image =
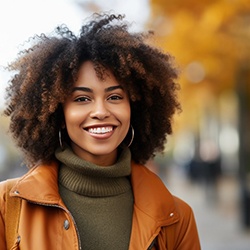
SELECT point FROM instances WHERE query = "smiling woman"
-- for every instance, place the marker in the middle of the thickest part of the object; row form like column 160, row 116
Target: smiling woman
column 87, row 111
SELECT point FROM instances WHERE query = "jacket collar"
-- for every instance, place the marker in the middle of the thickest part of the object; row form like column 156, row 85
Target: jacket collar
column 154, row 207
column 151, row 195
column 39, row 185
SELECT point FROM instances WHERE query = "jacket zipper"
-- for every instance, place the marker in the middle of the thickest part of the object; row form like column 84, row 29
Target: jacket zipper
column 152, row 244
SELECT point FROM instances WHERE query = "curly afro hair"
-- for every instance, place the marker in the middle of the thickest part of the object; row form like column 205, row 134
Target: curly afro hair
column 47, row 70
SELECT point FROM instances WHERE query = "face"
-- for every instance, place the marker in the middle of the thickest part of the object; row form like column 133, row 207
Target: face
column 97, row 116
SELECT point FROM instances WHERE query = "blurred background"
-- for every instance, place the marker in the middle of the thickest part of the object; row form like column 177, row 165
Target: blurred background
column 206, row 161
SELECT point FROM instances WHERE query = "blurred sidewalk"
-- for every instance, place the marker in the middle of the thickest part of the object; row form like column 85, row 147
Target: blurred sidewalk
column 217, row 211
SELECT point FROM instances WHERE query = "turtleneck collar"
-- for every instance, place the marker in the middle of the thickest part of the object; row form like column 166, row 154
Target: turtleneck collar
column 88, row 179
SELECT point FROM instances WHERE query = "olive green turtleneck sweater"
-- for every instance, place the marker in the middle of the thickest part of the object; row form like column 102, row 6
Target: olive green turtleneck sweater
column 99, row 198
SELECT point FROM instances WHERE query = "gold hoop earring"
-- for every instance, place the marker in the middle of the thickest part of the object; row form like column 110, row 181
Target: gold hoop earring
column 133, row 135
column 60, row 138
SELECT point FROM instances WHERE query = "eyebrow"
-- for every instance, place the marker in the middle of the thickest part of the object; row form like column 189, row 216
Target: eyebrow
column 89, row 90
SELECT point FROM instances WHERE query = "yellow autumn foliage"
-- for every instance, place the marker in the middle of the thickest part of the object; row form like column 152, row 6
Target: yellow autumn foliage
column 210, row 41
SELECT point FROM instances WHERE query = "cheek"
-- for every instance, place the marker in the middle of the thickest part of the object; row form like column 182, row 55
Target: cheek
column 125, row 112
column 72, row 115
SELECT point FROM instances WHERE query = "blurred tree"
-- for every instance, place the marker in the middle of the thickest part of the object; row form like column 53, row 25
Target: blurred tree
column 210, row 40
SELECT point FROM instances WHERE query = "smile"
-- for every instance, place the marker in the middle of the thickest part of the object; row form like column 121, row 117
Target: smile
column 100, row 130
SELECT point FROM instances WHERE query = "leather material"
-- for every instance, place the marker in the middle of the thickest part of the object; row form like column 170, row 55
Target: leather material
column 160, row 220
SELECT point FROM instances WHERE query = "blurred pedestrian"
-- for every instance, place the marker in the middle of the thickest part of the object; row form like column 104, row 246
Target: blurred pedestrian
column 87, row 111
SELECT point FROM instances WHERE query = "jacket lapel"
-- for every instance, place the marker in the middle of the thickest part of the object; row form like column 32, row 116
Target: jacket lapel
column 154, row 207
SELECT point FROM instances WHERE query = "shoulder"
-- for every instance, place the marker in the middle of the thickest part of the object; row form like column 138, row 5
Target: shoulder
column 186, row 233
column 7, row 184
column 151, row 195
column 182, row 206
column 5, row 187
column 184, row 210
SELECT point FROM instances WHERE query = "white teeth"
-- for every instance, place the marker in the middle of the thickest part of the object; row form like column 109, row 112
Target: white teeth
column 100, row 130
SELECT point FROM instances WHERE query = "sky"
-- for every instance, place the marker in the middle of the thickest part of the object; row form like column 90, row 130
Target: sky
column 21, row 19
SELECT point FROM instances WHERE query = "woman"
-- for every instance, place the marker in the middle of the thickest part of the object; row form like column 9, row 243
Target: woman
column 87, row 112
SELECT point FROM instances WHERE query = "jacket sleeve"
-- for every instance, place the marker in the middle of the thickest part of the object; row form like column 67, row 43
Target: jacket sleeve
column 186, row 234
column 2, row 215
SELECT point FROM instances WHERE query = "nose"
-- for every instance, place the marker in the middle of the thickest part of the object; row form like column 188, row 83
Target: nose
column 100, row 110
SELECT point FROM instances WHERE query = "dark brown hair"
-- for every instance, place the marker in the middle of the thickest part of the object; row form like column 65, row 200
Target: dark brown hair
column 47, row 70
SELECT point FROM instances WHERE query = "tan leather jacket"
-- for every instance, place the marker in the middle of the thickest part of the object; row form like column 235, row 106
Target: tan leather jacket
column 160, row 220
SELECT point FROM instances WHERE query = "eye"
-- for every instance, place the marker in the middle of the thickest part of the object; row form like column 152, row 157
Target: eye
column 115, row 97
column 82, row 99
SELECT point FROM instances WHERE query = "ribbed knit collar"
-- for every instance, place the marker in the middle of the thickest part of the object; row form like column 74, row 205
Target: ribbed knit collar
column 88, row 179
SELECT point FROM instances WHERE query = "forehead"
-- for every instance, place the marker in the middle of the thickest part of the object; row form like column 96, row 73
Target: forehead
column 88, row 75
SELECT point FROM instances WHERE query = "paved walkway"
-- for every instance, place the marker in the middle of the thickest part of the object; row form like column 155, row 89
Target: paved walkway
column 217, row 211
